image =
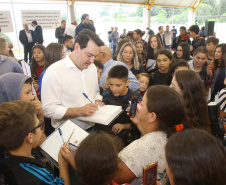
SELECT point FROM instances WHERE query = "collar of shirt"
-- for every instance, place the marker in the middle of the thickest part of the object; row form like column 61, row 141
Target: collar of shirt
column 70, row 64
column 108, row 63
column 2, row 58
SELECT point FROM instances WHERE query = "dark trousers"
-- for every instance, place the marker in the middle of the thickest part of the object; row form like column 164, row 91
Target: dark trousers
column 28, row 50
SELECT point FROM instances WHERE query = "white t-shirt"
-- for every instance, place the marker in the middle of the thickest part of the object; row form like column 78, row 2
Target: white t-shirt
column 148, row 149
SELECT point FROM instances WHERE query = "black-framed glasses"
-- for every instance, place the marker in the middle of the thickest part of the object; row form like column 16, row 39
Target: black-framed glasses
column 42, row 123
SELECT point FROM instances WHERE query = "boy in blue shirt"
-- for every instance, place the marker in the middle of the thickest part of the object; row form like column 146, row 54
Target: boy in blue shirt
column 119, row 94
column 21, row 132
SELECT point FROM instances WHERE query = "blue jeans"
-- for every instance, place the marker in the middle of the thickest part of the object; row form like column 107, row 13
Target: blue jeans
column 114, row 48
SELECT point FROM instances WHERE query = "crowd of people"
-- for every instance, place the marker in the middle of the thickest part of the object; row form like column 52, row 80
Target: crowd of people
column 173, row 77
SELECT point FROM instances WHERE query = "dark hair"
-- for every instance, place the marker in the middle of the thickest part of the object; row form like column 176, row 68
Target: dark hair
column 196, row 114
column 121, row 42
column 164, row 52
column 214, row 40
column 85, row 36
column 84, row 16
column 143, row 52
column 34, row 22
column 28, row 81
column 33, row 61
column 186, row 51
column 66, row 38
column 63, row 21
column 97, row 158
column 183, row 28
column 139, row 32
column 17, row 119
column 53, row 53
column 195, row 157
column 194, row 28
column 98, row 64
column 223, row 60
column 175, row 64
column 201, row 49
column 150, row 50
column 119, row 72
column 203, row 28
column 168, row 107
column 160, row 27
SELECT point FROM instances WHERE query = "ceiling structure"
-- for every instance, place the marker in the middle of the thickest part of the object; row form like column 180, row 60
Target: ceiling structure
column 193, row 4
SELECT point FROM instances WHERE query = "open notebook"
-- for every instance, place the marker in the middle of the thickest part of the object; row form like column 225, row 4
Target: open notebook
column 104, row 115
column 51, row 146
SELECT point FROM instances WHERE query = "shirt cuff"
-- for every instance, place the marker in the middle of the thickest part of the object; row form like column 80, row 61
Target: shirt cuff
column 60, row 112
column 99, row 97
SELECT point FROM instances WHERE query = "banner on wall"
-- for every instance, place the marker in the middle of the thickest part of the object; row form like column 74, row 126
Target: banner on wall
column 47, row 19
column 6, row 22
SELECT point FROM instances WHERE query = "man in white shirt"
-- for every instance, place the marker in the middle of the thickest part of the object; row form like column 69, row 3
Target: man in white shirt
column 168, row 37
column 68, row 44
column 26, row 38
column 65, row 82
column 70, row 30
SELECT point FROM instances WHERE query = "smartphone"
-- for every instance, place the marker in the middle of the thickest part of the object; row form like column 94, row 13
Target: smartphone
column 150, row 174
column 133, row 106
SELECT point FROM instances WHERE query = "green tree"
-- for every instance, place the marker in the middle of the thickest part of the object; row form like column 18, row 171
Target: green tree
column 139, row 12
column 161, row 17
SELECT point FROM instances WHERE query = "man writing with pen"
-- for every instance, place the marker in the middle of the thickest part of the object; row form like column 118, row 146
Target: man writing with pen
column 66, row 81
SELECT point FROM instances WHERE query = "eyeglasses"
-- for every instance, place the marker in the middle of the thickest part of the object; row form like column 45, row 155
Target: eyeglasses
column 42, row 123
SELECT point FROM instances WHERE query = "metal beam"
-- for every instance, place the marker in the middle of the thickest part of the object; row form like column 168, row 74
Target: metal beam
column 195, row 9
column 148, row 6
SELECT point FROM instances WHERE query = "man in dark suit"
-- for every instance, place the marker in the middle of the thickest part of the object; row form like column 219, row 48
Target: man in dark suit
column 161, row 36
column 26, row 37
column 38, row 37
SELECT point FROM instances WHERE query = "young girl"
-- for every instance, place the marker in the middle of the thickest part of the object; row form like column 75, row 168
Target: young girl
column 128, row 55
column 218, row 65
column 200, row 56
column 141, row 53
column 144, row 80
column 189, row 85
column 164, row 58
column 53, row 53
column 183, row 52
column 154, row 45
column 177, row 65
column 38, row 60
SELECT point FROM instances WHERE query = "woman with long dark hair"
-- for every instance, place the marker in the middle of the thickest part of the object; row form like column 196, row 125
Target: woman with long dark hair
column 53, row 53
column 183, row 52
column 160, row 112
column 189, row 85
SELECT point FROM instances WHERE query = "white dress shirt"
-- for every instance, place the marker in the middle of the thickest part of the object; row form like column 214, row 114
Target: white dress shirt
column 62, row 88
column 70, row 30
column 29, row 36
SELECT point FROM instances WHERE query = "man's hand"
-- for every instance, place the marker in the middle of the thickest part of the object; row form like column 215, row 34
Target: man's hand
column 99, row 103
column 191, row 48
column 89, row 109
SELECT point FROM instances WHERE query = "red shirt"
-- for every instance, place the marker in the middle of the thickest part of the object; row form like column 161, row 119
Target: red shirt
column 39, row 70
